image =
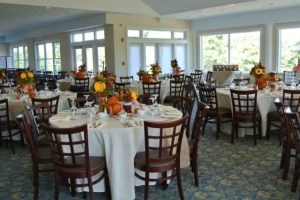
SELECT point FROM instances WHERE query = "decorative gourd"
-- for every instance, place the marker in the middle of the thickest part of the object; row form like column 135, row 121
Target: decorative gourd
column 80, row 74
column 148, row 78
column 114, row 105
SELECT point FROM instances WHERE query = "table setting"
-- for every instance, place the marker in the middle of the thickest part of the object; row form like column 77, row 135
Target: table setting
column 118, row 138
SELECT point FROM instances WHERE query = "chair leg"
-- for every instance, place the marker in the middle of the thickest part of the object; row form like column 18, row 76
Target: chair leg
column 194, row 165
column 73, row 192
column 164, row 183
column 36, row 181
column 146, row 189
column 232, row 132
column 11, row 142
column 57, row 182
column 178, row 174
column 286, row 165
column 218, row 128
column 283, row 154
column 296, row 176
column 91, row 191
column 107, row 185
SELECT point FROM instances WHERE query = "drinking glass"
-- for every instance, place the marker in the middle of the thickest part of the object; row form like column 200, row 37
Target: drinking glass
column 73, row 107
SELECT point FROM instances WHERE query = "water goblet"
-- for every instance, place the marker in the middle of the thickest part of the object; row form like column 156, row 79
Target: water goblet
column 293, row 84
column 73, row 107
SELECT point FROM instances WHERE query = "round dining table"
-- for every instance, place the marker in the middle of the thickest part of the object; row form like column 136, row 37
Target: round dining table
column 118, row 140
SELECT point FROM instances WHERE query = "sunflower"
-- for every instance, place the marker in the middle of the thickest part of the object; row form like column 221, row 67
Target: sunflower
column 277, row 77
column 259, row 71
column 99, row 86
column 30, row 74
column 23, row 75
column 134, row 95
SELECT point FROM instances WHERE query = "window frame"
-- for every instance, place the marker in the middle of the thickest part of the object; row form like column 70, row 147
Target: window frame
column 54, row 58
column 200, row 33
column 276, row 40
column 24, row 59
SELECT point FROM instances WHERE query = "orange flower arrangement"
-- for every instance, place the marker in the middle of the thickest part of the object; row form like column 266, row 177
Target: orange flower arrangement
column 155, row 69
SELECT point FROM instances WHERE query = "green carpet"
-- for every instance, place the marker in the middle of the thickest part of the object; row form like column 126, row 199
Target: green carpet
column 239, row 171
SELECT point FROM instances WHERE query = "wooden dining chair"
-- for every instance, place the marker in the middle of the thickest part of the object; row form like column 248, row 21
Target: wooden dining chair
column 176, row 91
column 274, row 119
column 152, row 88
column 209, row 76
column 288, row 76
column 70, row 150
column 37, row 114
column 292, row 123
column 244, row 112
column 196, row 77
column 40, row 155
column 215, row 114
column 121, row 86
column 162, row 153
column 83, row 83
column 80, row 101
column 198, row 71
column 7, row 125
column 52, row 102
column 126, row 79
column 198, row 128
column 178, row 77
column 185, row 105
column 237, row 81
column 188, row 86
column 62, row 74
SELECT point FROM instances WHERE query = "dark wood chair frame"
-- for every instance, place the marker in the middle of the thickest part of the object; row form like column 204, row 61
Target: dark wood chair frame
column 126, row 79
column 150, row 88
column 244, row 109
column 215, row 114
column 6, row 124
column 76, row 164
column 52, row 102
column 292, row 122
column 83, row 82
column 41, row 156
column 161, row 158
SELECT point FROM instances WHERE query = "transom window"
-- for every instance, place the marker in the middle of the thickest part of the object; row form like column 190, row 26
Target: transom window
column 87, row 35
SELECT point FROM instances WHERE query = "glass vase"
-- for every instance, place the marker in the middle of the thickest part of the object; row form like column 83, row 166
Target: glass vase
column 102, row 103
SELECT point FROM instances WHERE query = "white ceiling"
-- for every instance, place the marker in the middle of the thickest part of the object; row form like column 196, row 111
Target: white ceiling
column 17, row 16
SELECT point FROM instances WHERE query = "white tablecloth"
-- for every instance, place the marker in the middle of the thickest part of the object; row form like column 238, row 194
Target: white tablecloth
column 224, row 78
column 16, row 105
column 265, row 104
column 119, row 145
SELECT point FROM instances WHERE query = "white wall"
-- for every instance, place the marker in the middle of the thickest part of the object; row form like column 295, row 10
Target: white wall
column 266, row 18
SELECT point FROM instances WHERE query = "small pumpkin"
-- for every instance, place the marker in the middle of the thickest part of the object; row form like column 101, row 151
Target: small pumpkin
column 114, row 105
column 147, row 78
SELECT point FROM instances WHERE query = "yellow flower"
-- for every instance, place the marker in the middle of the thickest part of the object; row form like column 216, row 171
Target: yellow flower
column 258, row 71
column 134, row 95
column 157, row 69
column 23, row 75
column 99, row 86
column 30, row 74
column 276, row 77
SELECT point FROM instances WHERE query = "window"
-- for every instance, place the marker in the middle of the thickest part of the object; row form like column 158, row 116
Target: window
column 146, row 47
column 20, row 57
column 233, row 47
column 49, row 57
column 87, row 35
column 289, row 48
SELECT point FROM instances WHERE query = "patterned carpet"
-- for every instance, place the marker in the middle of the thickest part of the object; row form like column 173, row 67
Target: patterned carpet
column 239, row 171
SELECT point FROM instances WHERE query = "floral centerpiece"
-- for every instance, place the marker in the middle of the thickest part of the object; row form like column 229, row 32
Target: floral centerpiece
column 81, row 71
column 141, row 73
column 127, row 96
column 262, row 76
column 176, row 68
column 103, row 87
column 25, row 80
column 156, row 70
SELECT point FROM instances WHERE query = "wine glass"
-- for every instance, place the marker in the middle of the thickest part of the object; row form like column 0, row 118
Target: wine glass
column 293, row 84
column 58, row 87
column 73, row 107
